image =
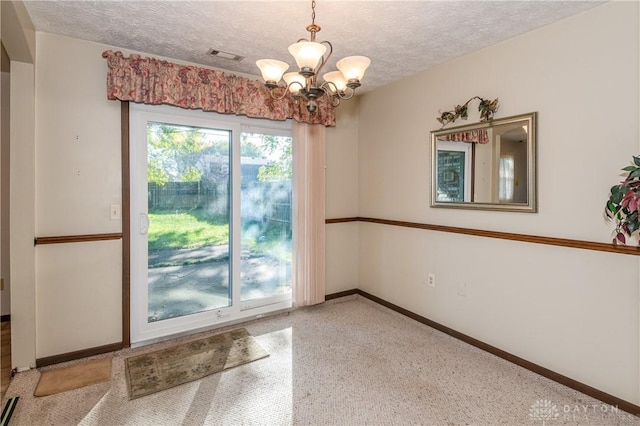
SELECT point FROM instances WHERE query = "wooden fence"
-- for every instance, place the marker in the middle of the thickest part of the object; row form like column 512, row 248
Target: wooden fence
column 262, row 201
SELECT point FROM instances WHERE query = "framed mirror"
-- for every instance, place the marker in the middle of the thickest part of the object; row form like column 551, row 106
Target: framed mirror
column 489, row 165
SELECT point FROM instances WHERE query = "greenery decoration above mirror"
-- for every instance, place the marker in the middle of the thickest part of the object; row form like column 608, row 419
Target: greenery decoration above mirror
column 487, row 110
column 488, row 165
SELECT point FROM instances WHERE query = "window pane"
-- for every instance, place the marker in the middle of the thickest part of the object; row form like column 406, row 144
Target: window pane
column 506, row 182
column 188, row 205
column 266, row 171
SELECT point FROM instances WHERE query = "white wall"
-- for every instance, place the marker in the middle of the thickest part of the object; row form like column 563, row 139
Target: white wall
column 79, row 285
column 22, row 214
column 5, row 294
column 573, row 311
column 18, row 37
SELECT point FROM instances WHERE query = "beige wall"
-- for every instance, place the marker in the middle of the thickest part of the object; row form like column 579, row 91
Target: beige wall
column 342, row 200
column 573, row 311
column 79, row 285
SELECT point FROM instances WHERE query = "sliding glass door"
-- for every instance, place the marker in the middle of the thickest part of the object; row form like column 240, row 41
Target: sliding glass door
column 266, row 207
column 188, row 220
column 211, row 218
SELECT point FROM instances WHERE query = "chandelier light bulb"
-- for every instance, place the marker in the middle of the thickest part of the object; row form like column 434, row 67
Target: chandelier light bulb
column 297, row 80
column 272, row 70
column 337, row 79
column 353, row 67
column 307, row 55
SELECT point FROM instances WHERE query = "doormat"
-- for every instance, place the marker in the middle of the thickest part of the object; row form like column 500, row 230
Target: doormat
column 73, row 377
column 166, row 368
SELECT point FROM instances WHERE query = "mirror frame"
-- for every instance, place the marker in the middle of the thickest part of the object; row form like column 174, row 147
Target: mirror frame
column 531, row 206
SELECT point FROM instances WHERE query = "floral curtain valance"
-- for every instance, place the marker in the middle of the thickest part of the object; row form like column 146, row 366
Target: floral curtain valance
column 474, row 136
column 153, row 81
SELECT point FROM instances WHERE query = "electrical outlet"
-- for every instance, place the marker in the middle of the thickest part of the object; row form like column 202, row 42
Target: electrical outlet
column 431, row 280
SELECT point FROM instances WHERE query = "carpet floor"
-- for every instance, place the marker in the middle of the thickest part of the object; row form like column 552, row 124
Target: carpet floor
column 73, row 377
column 346, row 362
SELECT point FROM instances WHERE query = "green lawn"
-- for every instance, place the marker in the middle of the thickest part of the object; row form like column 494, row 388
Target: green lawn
column 188, row 229
column 193, row 229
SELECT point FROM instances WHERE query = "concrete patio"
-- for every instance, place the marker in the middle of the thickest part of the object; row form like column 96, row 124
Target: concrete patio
column 187, row 281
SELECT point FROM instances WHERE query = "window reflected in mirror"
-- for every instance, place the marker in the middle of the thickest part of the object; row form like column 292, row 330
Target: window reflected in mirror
column 488, row 165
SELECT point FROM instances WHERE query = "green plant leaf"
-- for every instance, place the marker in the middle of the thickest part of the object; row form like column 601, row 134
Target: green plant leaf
column 629, row 168
column 611, row 207
column 634, row 174
column 617, row 193
column 636, row 160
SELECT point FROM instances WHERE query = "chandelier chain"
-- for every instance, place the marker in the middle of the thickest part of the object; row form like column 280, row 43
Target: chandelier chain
column 313, row 12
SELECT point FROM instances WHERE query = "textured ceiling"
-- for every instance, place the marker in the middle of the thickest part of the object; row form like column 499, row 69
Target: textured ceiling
column 401, row 37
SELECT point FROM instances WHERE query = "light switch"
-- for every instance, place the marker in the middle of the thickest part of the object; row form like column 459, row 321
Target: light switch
column 115, row 212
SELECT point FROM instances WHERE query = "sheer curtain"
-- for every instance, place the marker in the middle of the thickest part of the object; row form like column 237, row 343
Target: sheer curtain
column 309, row 188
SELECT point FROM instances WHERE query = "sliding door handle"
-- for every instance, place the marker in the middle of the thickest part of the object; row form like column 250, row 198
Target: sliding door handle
column 144, row 223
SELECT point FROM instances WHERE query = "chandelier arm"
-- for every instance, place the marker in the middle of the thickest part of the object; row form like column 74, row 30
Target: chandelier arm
column 325, row 59
column 287, row 90
column 331, row 88
column 284, row 93
column 295, row 95
column 347, row 94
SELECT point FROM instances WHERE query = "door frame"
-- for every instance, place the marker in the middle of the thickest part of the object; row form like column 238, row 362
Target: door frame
column 238, row 311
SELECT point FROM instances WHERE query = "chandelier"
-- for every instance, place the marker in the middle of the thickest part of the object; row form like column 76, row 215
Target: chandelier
column 311, row 57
